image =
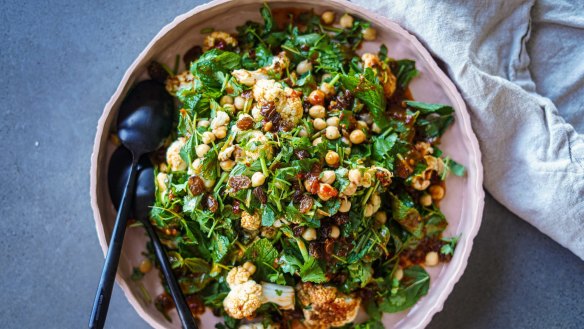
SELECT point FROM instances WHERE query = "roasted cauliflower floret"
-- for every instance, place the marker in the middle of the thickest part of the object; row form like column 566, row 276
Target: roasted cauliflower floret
column 325, row 307
column 249, row 78
column 173, row 158
column 387, row 79
column 250, row 222
column 243, row 300
column 213, row 39
column 257, row 143
column 286, row 100
column 246, row 296
column 179, row 81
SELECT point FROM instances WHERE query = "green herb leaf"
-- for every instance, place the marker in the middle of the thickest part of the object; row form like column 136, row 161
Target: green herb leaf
column 413, row 286
column 369, row 92
column 405, row 71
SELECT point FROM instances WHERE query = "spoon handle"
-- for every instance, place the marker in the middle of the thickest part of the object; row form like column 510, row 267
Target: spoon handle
column 108, row 274
column 184, row 312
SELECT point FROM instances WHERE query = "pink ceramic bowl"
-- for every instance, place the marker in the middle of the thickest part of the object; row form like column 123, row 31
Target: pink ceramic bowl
column 462, row 206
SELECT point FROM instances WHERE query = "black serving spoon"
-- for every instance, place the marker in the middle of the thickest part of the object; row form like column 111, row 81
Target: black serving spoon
column 144, row 197
column 144, row 120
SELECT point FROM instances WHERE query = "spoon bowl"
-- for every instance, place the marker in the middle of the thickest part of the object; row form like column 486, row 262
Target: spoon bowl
column 144, row 121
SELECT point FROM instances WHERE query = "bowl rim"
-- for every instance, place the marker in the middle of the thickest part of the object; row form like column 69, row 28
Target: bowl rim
column 477, row 187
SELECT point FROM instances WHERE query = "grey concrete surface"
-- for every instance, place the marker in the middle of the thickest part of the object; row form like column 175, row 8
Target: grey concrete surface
column 60, row 62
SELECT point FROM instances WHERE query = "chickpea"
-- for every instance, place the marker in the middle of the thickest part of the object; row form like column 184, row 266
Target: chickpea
column 369, row 34
column 202, row 149
column 362, row 125
column 220, row 132
column 229, row 108
column 345, row 205
column 303, row 132
column 399, row 274
column 208, row 137
column 317, row 141
column 258, row 179
column 250, row 267
column 145, row 266
column 203, row 123
column 328, row 17
column 346, row 141
column 327, row 88
column 419, row 183
column 426, row 200
column 355, row 176
column 316, row 97
column 368, row 210
column 209, row 183
column 227, row 165
column 375, row 199
column 268, row 126
column 437, row 192
column 256, row 113
column 161, row 180
column 335, row 232
column 431, row 258
column 332, row 132
column 307, row 185
column 303, row 67
column 328, row 176
column 332, row 158
column 197, row 166
column 239, row 103
column 309, row 234
column 326, row 191
column 366, row 181
column 350, row 189
column 357, row 136
column 346, row 21
column 319, row 124
column 375, row 128
column 333, row 121
column 381, row 217
column 226, row 99
column 317, row 111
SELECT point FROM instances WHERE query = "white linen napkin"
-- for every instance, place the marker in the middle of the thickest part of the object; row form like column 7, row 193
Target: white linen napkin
column 533, row 158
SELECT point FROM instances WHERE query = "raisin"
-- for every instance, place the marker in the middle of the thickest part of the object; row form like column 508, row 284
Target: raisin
column 236, row 207
column 164, row 302
column 157, row 72
column 329, row 246
column 237, row 183
column 298, row 230
column 220, row 44
column 192, row 55
column 341, row 218
column 260, row 194
column 315, row 249
column 302, row 154
column 196, row 305
column 325, row 231
column 196, row 185
column 246, row 94
column 212, row 204
column 245, row 123
column 306, row 203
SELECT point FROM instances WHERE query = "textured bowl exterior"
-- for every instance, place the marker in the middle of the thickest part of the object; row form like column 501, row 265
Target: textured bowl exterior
column 463, row 205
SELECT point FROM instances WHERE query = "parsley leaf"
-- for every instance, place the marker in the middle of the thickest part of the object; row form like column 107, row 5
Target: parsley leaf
column 370, row 92
column 412, row 287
